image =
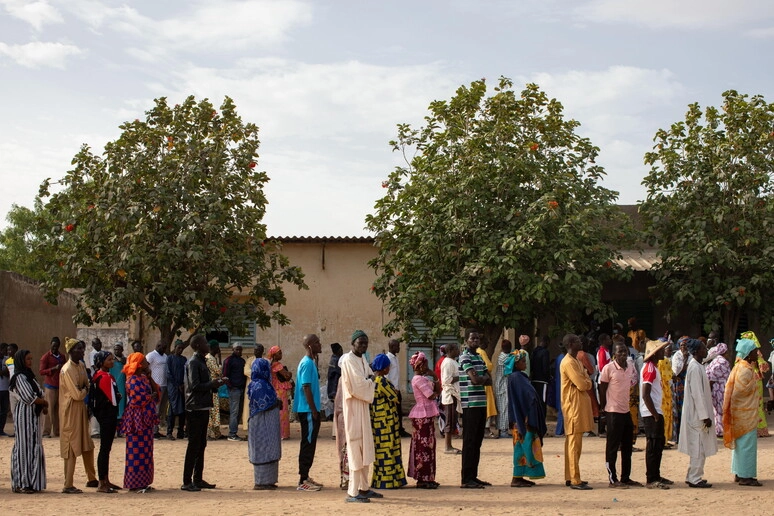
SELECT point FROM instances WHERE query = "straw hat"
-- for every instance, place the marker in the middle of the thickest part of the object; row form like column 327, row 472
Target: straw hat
column 652, row 347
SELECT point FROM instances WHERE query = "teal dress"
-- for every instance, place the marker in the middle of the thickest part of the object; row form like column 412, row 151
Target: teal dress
column 120, row 383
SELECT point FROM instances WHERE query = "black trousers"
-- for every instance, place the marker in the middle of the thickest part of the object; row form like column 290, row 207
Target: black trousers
column 473, row 426
column 619, row 434
column 171, row 423
column 654, row 447
column 308, row 444
column 193, row 467
column 107, row 432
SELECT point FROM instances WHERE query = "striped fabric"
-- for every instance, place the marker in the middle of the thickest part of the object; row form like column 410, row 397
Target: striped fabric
column 28, row 464
column 471, row 395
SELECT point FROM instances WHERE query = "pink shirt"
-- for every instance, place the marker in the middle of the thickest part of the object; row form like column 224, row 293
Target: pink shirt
column 619, row 383
column 423, row 389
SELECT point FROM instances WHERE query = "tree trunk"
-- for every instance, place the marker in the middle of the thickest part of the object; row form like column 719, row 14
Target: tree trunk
column 167, row 335
column 730, row 325
column 490, row 337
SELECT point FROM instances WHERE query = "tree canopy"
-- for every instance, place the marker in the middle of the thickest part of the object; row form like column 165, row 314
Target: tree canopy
column 18, row 241
column 497, row 217
column 710, row 212
column 168, row 222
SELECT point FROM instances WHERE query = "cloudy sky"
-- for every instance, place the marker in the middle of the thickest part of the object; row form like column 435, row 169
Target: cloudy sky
column 328, row 80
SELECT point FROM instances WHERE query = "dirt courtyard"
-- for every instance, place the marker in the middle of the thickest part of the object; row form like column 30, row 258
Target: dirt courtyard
column 226, row 464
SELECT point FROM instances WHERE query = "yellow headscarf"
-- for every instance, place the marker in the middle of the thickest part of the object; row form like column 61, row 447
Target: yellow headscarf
column 133, row 361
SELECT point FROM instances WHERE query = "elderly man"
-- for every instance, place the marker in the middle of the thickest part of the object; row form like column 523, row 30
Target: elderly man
column 74, row 439
column 615, row 383
column 357, row 387
column 576, row 408
column 697, row 432
column 50, row 367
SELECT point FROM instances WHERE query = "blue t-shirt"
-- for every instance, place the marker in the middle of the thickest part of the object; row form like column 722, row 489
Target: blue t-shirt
column 306, row 375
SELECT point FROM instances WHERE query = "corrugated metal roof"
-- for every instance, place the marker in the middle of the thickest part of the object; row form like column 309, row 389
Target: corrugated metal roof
column 638, row 260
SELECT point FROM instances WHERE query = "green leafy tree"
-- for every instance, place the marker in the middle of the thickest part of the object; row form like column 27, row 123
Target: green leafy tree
column 18, row 241
column 496, row 218
column 168, row 222
column 710, row 212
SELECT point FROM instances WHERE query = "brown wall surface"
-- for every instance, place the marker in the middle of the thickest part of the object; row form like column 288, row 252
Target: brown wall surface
column 27, row 319
column 337, row 303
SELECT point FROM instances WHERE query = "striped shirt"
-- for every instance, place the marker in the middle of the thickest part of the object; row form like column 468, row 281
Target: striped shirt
column 472, row 396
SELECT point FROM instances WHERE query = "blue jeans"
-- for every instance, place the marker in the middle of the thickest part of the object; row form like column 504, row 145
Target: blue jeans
column 234, row 405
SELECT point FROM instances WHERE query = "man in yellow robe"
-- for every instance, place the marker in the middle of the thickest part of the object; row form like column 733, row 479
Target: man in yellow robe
column 74, row 438
column 576, row 408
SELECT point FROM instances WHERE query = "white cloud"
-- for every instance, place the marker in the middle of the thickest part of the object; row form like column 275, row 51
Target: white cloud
column 38, row 54
column 691, row 14
column 764, row 33
column 204, row 26
column 36, row 13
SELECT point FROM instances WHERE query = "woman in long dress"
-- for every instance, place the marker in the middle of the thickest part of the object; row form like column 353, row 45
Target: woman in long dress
column 28, row 463
column 718, row 371
column 740, row 415
column 422, row 415
column 388, row 465
column 264, row 445
column 138, row 423
column 280, row 380
column 528, row 423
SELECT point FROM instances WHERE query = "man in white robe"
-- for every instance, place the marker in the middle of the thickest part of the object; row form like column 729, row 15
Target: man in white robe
column 697, row 432
column 357, row 387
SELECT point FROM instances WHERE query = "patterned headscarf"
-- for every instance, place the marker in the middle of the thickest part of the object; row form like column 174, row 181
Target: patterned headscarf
column 69, row 344
column 356, row 335
column 273, row 352
column 750, row 335
column 381, row 362
column 693, row 345
column 716, row 351
column 100, row 358
column 510, row 362
column 133, row 361
column 261, row 394
column 416, row 359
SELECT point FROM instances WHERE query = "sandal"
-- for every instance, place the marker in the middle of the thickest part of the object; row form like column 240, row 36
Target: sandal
column 426, row 485
column 453, row 451
column 750, row 482
column 71, row 490
column 106, row 489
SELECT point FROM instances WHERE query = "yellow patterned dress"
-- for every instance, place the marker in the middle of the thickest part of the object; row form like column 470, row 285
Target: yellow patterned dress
column 388, row 466
column 213, row 428
column 665, row 368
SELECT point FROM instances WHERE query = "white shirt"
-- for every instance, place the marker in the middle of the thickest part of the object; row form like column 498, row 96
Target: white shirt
column 449, row 390
column 158, row 367
column 394, row 375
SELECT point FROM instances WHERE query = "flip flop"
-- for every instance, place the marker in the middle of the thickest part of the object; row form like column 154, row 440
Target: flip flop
column 453, row 451
column 71, row 490
column 750, row 482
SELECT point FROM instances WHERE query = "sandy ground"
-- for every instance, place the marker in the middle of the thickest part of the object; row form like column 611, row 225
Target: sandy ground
column 227, row 465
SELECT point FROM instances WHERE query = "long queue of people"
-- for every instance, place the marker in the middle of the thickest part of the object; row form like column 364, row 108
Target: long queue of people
column 124, row 397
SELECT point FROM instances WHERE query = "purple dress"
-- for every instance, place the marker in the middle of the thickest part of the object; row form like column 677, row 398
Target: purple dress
column 718, row 371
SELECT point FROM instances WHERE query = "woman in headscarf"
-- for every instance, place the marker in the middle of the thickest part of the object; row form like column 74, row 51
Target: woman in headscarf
column 28, row 463
column 665, row 368
column 528, row 423
column 385, row 422
column 740, row 414
column 280, row 380
column 761, row 368
column 718, row 371
column 138, row 423
column 264, row 447
column 426, row 388
column 119, row 361
column 105, row 409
